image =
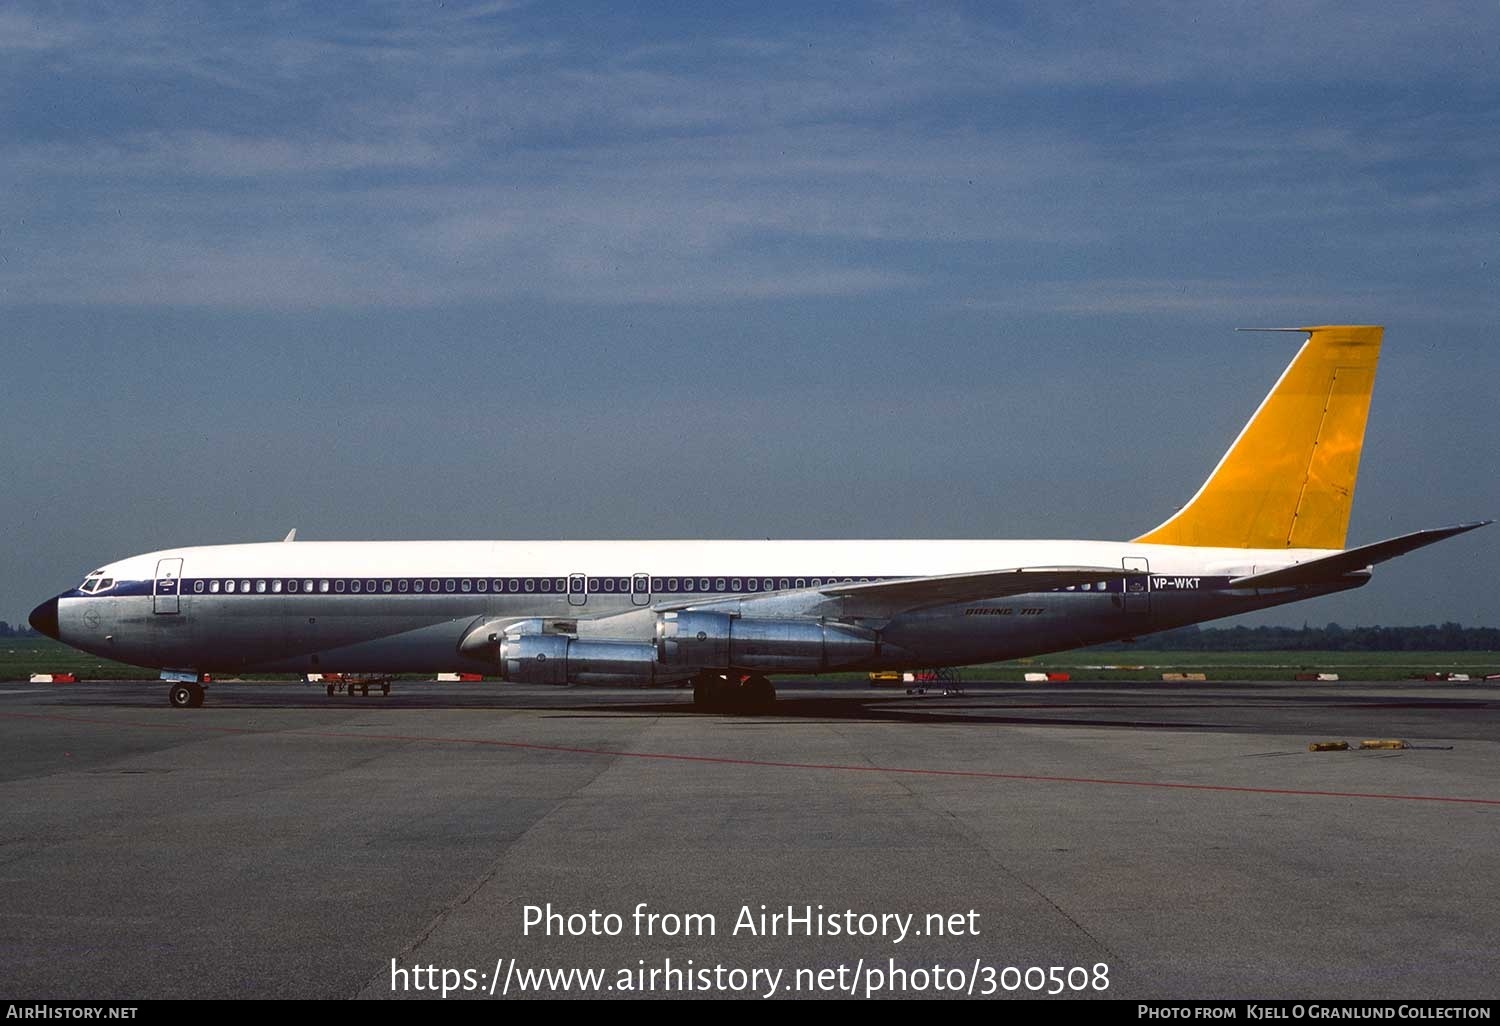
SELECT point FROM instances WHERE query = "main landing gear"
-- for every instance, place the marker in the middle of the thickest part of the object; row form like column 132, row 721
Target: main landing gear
column 186, row 696
column 733, row 693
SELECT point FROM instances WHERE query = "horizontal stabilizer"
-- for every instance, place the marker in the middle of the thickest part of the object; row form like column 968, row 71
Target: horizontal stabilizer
column 1330, row 568
column 917, row 592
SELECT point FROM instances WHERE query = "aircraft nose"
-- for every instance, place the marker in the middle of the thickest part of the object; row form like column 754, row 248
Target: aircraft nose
column 43, row 619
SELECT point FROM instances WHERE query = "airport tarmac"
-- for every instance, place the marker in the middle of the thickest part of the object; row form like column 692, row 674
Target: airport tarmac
column 282, row 843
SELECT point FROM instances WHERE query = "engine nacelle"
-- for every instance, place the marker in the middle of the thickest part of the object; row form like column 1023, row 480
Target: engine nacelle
column 559, row 659
column 719, row 641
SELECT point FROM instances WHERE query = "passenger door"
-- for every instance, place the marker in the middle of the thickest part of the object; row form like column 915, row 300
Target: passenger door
column 168, row 585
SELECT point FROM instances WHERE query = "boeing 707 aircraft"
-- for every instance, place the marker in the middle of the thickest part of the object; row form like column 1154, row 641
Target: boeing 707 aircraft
column 1266, row 528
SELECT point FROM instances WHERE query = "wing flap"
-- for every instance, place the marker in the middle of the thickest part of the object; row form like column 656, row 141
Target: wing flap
column 1329, row 568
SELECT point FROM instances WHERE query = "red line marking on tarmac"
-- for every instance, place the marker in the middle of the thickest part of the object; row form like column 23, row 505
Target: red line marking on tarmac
column 763, row 763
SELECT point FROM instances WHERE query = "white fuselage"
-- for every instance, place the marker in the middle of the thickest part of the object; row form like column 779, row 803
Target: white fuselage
column 410, row 606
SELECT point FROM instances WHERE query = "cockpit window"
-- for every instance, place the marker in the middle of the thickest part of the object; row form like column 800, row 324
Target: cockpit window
column 94, row 582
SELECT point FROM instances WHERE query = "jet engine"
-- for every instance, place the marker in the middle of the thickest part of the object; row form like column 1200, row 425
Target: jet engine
column 559, row 659
column 718, row 641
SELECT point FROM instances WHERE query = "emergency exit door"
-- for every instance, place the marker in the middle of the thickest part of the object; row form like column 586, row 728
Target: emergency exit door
column 1137, row 589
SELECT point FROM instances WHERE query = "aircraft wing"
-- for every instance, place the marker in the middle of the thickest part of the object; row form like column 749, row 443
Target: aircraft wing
column 1328, row 568
column 886, row 598
column 918, row 592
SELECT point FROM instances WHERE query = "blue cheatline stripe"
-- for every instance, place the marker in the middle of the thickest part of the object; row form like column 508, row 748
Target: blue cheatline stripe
column 697, row 585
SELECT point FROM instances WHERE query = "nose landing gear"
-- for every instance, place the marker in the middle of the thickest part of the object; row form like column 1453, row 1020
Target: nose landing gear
column 185, row 696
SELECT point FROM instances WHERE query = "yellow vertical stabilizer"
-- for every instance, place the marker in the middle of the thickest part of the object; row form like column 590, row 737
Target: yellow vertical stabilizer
column 1288, row 479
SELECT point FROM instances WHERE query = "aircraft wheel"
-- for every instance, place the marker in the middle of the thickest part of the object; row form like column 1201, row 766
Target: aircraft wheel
column 757, row 695
column 198, row 692
column 712, row 692
column 181, row 696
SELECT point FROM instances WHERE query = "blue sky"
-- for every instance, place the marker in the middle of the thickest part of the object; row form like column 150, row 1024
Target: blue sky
column 893, row 270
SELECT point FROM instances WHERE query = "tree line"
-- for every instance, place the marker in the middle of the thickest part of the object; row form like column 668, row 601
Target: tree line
column 1447, row 637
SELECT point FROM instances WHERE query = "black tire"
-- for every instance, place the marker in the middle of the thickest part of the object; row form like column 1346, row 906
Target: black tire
column 757, row 695
column 181, row 696
column 713, row 693
column 198, row 693
column 330, row 690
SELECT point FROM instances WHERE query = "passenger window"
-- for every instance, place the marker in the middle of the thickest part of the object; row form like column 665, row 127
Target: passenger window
column 531, row 584
column 307, row 586
column 385, row 586
column 482, row 584
column 339, row 585
column 561, row 585
column 213, row 587
column 802, row 584
column 687, row 584
column 323, row 586
column 370, row 587
column 703, row 584
column 547, row 584
column 228, row 587
column 244, row 586
column 754, row 584
column 402, row 585
column 419, row 585
column 785, row 584
column 465, row 585
column 671, row 584
column 448, row 584
column 354, row 586
column 736, row 585
column 198, row 587
column 276, row 586
column 609, row 584
column 656, row 584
